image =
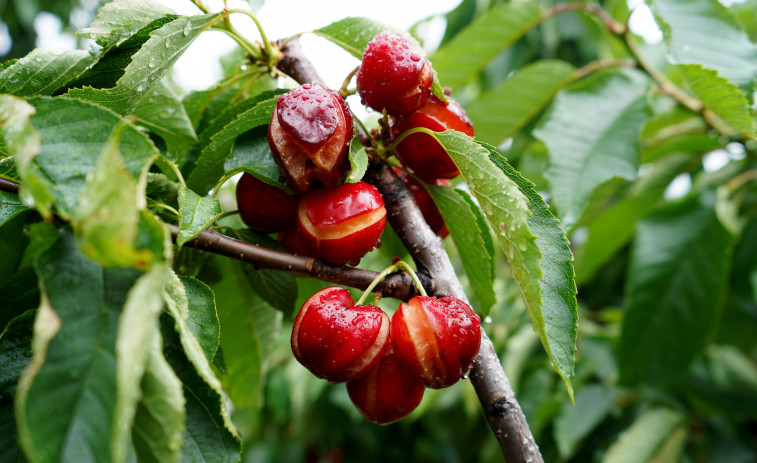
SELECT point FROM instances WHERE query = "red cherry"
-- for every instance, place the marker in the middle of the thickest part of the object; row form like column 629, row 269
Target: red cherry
column 436, row 339
column 343, row 223
column 393, row 75
column 293, row 243
column 426, row 204
column 387, row 393
column 337, row 340
column 263, row 207
column 421, row 152
column 309, row 136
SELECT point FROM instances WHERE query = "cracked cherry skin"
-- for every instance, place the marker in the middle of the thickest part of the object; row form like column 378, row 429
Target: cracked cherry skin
column 393, row 75
column 337, row 340
column 387, row 393
column 343, row 223
column 426, row 204
column 436, row 339
column 309, row 136
column 421, row 152
column 263, row 207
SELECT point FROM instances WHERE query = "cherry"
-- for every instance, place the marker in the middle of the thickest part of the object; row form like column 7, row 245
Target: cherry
column 309, row 136
column 387, row 393
column 291, row 240
column 436, row 339
column 421, row 152
column 263, row 207
column 337, row 340
column 343, row 223
column 426, row 204
column 393, row 75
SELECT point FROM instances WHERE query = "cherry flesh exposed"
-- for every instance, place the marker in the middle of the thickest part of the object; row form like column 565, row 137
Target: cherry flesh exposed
column 343, row 223
column 436, row 339
column 426, row 204
column 337, row 340
column 387, row 393
column 263, row 207
column 393, row 75
column 309, row 136
column 421, row 152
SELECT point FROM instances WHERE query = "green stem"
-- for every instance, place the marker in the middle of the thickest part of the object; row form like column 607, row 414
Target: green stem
column 610, row 23
column 393, row 146
column 177, row 172
column 220, row 184
column 400, row 265
column 201, row 6
column 238, row 38
column 226, row 214
column 166, row 207
column 270, row 54
column 343, row 89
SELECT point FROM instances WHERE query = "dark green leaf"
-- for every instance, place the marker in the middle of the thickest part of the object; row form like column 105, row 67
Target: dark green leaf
column 10, row 207
column 470, row 232
column 15, row 354
column 42, row 72
column 74, row 363
column 163, row 113
column 195, row 214
column 12, row 244
column 353, row 34
column 203, row 318
column 210, row 165
column 210, row 437
column 676, row 282
column 18, row 294
column 150, row 64
column 248, row 328
column 252, row 154
column 592, row 134
column 704, row 32
column 8, row 168
column 468, row 53
column 505, row 109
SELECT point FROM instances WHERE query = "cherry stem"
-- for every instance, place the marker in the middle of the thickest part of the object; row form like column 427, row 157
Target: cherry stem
column 400, row 265
column 343, row 89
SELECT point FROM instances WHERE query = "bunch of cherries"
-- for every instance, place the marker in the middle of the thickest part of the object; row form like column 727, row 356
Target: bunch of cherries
column 429, row 342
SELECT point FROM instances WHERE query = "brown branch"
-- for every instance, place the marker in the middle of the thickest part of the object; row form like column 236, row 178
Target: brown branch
column 494, row 391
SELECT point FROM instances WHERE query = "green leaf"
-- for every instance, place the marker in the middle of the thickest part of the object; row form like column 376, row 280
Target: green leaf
column 704, row 32
column 468, row 53
column 535, row 246
column 502, row 111
column 649, row 438
column 676, row 282
column 163, row 113
column 74, row 134
column 469, row 230
column 159, row 422
column 210, row 165
column 137, row 330
column 13, row 240
column 557, row 318
column 358, row 161
column 10, row 207
column 42, row 72
column 74, row 362
column 18, row 294
column 248, row 329
column 8, row 168
column 592, row 135
column 354, row 33
column 721, row 97
column 252, row 154
column 22, row 141
column 150, row 64
column 210, row 437
column 15, row 353
column 203, row 317
column 575, row 422
column 107, row 218
column 195, row 214
column 117, row 21
column 615, row 226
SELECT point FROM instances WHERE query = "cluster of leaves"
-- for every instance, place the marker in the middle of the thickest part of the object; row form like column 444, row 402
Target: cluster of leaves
column 117, row 344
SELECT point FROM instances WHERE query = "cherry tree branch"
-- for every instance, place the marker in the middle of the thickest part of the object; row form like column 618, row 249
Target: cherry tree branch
column 492, row 386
